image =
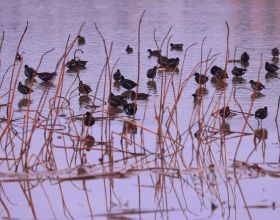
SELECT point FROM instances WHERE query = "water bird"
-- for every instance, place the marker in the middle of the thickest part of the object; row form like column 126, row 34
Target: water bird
column 244, row 57
column 127, row 83
column 225, row 112
column 29, row 72
column 154, row 53
column 176, row 46
column 151, row 73
column 140, row 96
column 270, row 67
column 117, row 75
column 261, row 113
column 275, row 52
column 84, row 88
column 201, row 79
column 88, row 119
column 116, row 100
column 256, row 86
column 173, row 62
column 237, row 72
column 23, row 89
column 162, row 60
column 214, row 69
column 81, row 40
column 46, row 76
column 129, row 49
column 130, row 108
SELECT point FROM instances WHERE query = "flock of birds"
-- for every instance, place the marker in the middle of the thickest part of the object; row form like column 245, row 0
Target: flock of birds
column 164, row 63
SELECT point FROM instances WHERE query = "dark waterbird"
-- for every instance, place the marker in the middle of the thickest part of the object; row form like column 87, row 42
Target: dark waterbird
column 29, row 72
column 46, row 76
column 154, row 53
column 151, row 73
column 270, row 67
column 244, row 57
column 237, row 72
column 23, row 89
column 117, row 75
column 275, row 52
column 225, row 112
column 140, row 96
column 116, row 100
column 130, row 108
column 261, row 113
column 215, row 69
column 200, row 79
column 176, row 46
column 127, row 83
column 76, row 64
column 84, row 88
column 81, row 40
column 129, row 49
column 256, row 86
column 88, row 119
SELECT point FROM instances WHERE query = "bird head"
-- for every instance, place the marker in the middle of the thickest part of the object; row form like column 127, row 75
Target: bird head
column 196, row 74
column 251, row 81
column 25, row 66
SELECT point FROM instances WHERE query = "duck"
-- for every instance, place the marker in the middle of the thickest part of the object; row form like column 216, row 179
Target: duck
column 140, row 96
column 23, row 89
column 151, row 73
column 29, row 72
column 88, row 119
column 117, row 75
column 46, row 76
column 237, row 72
column 270, row 67
column 116, row 100
column 256, row 86
column 225, row 112
column 130, row 108
column 81, row 40
column 129, row 49
column 154, row 53
column 127, row 83
column 84, row 88
column 201, row 79
column 176, row 46
column 244, row 57
column 275, row 52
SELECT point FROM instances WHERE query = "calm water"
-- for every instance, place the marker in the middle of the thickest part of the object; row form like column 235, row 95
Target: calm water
column 148, row 191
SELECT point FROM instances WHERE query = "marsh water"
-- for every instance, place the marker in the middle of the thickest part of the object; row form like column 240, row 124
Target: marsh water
column 133, row 171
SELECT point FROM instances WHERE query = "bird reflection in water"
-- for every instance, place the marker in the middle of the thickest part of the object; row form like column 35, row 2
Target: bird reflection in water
column 219, row 84
column 129, row 127
column 89, row 142
column 84, row 100
column 271, row 75
column 152, row 85
column 117, row 85
column 238, row 81
column 257, row 95
column 30, row 81
column 260, row 136
column 24, row 103
column 44, row 85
